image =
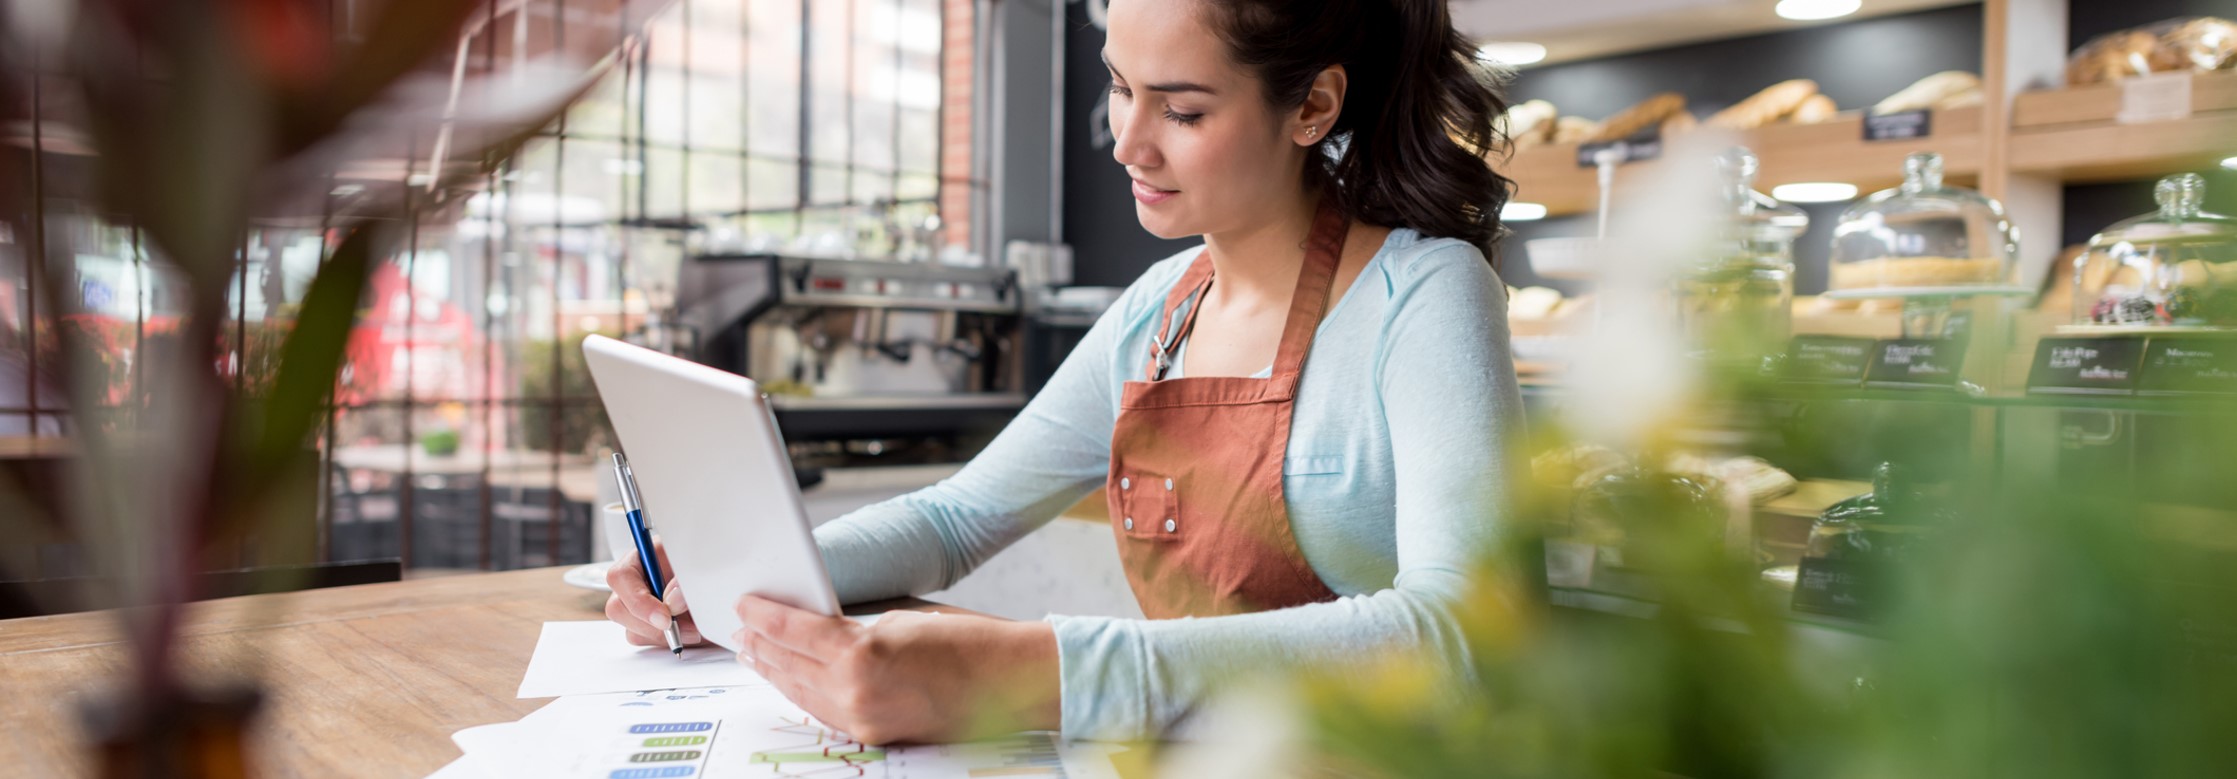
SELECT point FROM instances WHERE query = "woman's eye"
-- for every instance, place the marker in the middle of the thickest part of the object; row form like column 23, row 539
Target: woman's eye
column 1183, row 120
column 1121, row 91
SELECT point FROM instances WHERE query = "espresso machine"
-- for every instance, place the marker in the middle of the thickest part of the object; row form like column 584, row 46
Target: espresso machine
column 863, row 360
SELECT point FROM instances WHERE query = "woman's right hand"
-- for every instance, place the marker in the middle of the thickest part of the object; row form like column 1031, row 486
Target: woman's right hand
column 634, row 608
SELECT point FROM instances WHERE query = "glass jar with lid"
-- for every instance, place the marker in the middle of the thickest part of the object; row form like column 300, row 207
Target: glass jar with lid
column 1737, row 302
column 2173, row 267
column 1924, row 237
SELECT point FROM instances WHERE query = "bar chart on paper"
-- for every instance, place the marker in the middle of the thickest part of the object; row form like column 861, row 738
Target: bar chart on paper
column 752, row 731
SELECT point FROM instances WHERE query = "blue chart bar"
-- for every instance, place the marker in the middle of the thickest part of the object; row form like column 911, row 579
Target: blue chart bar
column 653, row 773
column 671, row 727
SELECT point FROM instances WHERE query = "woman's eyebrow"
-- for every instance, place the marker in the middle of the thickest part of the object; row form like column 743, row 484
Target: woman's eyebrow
column 1170, row 86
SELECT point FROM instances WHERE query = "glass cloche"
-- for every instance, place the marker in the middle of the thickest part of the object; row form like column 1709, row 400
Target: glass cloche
column 1737, row 302
column 1923, row 238
column 2177, row 266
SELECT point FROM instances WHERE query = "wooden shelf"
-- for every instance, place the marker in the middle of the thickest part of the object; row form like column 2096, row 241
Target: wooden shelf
column 1833, row 150
column 2072, row 135
column 2049, row 108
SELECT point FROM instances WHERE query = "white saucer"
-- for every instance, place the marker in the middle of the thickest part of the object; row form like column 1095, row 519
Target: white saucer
column 589, row 576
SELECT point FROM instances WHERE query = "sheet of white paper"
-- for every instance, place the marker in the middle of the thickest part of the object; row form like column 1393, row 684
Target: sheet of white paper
column 750, row 731
column 462, row 768
column 575, row 658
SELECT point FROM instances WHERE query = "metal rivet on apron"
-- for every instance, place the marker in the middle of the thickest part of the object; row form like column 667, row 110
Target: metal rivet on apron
column 1168, row 485
column 1130, row 523
column 1126, row 484
column 1168, row 526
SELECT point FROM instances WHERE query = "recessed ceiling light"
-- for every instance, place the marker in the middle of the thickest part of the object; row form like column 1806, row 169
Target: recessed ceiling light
column 1516, row 211
column 1814, row 10
column 1815, row 192
column 1512, row 52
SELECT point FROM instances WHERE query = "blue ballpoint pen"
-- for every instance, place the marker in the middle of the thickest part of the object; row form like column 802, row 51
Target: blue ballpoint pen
column 633, row 505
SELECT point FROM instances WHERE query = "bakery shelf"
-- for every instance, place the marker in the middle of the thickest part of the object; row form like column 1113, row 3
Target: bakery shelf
column 2045, row 109
column 2106, row 151
column 1834, row 150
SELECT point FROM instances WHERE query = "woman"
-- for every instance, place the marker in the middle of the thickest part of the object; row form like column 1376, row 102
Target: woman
column 1300, row 426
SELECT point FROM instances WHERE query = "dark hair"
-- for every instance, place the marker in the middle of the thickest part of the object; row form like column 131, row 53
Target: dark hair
column 1418, row 108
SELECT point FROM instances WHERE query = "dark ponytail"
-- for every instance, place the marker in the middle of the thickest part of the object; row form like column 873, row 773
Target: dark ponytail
column 1418, row 108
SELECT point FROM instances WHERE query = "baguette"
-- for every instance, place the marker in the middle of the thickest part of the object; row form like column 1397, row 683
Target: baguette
column 1814, row 110
column 1648, row 113
column 1935, row 91
column 1573, row 129
column 1766, row 106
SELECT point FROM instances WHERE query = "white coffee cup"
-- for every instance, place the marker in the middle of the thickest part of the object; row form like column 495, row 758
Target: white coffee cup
column 613, row 531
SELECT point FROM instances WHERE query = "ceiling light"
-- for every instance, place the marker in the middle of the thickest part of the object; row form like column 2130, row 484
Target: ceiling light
column 1512, row 52
column 1814, row 10
column 1521, row 212
column 1815, row 192
column 2230, row 163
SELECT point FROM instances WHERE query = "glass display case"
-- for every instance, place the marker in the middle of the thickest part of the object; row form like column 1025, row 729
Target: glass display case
column 1924, row 237
column 2175, row 267
column 1736, row 303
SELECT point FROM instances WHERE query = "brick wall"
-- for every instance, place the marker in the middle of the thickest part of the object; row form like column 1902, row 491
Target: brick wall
column 956, row 93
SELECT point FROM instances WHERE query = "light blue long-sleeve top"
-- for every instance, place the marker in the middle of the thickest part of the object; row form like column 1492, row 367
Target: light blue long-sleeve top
column 1395, row 475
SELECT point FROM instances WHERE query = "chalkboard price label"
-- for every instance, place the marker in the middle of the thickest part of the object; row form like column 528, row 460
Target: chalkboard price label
column 1915, row 363
column 1644, row 146
column 2086, row 366
column 2189, row 365
column 1827, row 359
column 1841, row 588
column 1899, row 126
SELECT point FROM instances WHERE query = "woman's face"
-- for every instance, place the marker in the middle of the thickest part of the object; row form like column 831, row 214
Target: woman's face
column 1206, row 153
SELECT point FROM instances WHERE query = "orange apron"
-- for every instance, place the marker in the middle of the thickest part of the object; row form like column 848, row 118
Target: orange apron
column 1195, row 489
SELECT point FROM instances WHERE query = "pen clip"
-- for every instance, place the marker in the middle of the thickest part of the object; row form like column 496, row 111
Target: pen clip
column 626, row 480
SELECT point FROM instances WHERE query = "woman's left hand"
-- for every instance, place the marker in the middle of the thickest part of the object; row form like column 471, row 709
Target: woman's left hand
column 911, row 676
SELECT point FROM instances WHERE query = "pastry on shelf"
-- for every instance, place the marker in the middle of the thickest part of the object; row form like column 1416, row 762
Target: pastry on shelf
column 1770, row 105
column 1819, row 108
column 1630, row 121
column 1917, row 272
column 1574, row 129
column 1528, row 124
column 1941, row 92
column 2203, row 43
column 1533, row 302
column 2196, row 43
column 1575, row 465
column 2111, row 57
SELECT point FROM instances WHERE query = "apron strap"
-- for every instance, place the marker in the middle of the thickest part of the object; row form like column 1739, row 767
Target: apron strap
column 1180, row 315
column 1323, row 251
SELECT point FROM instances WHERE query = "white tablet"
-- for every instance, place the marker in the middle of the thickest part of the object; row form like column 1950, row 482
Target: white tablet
column 716, row 481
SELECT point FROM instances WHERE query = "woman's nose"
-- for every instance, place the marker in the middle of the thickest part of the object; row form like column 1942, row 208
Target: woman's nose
column 1134, row 143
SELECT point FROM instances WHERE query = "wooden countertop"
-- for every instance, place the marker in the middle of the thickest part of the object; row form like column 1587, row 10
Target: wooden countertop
column 360, row 681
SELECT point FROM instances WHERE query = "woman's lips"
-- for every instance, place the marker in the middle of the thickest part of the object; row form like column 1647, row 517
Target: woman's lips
column 1150, row 195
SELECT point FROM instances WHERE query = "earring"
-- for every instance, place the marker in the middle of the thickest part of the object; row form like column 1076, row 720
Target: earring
column 1309, row 131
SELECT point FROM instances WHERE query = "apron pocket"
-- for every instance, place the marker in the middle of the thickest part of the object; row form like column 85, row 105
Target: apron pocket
column 1149, row 507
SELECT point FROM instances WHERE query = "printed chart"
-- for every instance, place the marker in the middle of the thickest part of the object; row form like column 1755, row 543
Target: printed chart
column 752, row 732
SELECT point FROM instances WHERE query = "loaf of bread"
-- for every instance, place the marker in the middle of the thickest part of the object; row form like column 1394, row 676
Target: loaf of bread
column 1817, row 109
column 1941, row 91
column 1648, row 113
column 1528, row 123
column 2204, row 43
column 1765, row 107
column 1574, row 129
column 2113, row 56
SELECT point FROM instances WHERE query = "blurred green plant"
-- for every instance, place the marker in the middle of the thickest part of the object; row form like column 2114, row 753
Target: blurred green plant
column 2069, row 623
column 200, row 115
